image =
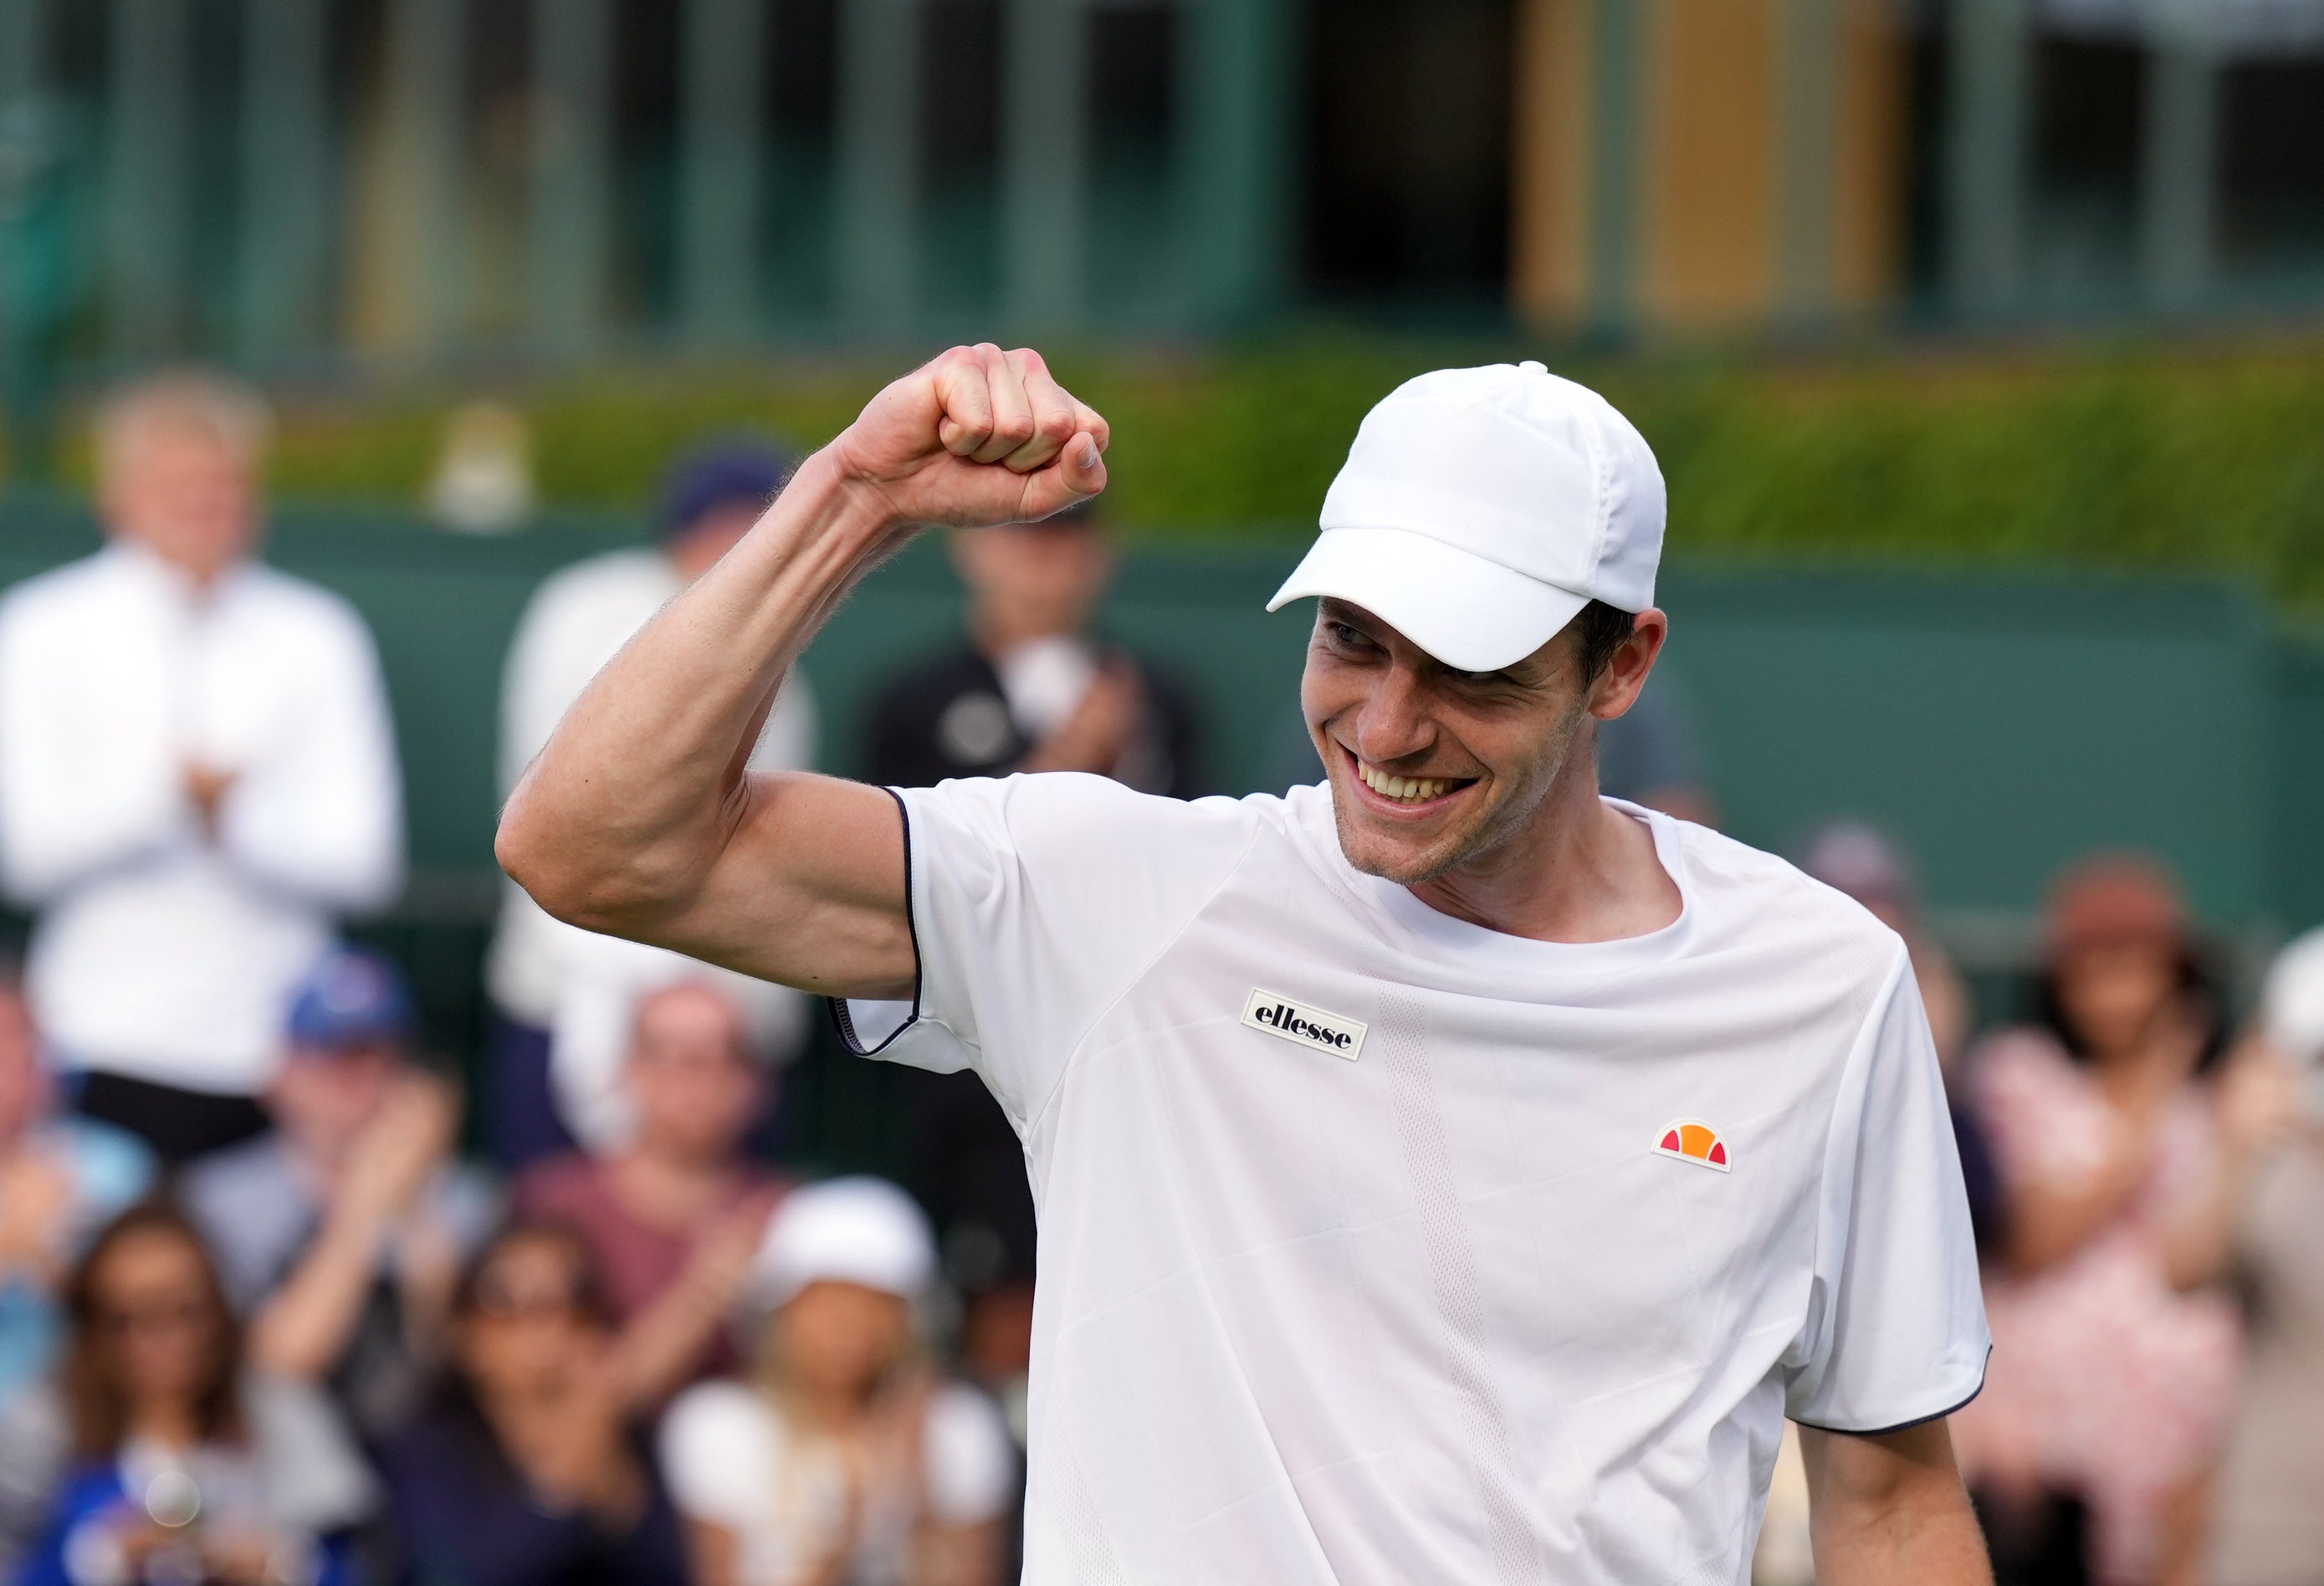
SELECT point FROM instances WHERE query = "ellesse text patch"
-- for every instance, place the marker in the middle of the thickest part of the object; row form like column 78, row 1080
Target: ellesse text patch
column 1279, row 1016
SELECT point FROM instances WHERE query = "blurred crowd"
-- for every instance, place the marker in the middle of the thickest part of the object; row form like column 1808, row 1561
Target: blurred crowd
column 2145, row 1174
column 282, row 1299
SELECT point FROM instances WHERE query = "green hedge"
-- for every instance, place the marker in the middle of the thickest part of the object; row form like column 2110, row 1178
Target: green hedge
column 2203, row 458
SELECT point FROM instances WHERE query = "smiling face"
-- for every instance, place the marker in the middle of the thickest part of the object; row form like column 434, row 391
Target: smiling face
column 1434, row 769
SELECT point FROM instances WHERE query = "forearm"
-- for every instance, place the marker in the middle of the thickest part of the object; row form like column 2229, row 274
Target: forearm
column 1935, row 1544
column 657, row 1350
column 640, row 786
column 302, row 1331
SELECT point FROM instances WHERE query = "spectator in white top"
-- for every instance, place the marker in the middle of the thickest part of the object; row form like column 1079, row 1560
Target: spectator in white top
column 575, row 624
column 197, row 773
column 845, row 1459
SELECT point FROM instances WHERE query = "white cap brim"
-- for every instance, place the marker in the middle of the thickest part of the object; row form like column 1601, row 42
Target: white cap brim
column 1473, row 614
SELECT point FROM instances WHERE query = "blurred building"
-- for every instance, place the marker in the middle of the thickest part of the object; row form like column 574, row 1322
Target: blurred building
column 291, row 181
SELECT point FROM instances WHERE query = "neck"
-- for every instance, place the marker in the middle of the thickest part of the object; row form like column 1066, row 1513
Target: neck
column 170, row 1421
column 833, row 1412
column 995, row 631
column 656, row 1173
column 198, row 579
column 1578, row 871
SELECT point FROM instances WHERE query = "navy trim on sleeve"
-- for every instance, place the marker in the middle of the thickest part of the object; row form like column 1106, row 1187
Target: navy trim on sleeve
column 838, row 1006
column 1915, row 1421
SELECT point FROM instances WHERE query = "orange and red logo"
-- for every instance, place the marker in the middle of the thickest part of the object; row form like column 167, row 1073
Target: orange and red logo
column 1691, row 1139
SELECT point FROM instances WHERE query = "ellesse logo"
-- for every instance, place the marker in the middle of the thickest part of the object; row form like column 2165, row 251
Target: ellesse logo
column 1286, row 1020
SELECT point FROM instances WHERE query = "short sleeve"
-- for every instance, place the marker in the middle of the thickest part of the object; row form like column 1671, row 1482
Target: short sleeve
column 716, row 1454
column 1896, row 1330
column 1036, row 901
column 971, row 1464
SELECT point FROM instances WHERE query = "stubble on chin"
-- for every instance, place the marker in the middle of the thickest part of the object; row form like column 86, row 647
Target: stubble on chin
column 1490, row 829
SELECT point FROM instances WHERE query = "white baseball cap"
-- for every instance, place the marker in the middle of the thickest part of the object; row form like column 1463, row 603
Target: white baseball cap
column 2292, row 1000
column 1480, row 509
column 857, row 1229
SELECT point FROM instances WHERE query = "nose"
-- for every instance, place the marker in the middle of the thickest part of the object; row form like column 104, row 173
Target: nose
column 1395, row 722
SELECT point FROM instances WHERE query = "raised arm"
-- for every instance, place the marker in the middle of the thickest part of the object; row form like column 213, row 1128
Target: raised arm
column 640, row 819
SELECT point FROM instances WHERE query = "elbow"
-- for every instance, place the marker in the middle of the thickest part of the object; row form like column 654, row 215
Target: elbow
column 569, row 878
column 527, row 856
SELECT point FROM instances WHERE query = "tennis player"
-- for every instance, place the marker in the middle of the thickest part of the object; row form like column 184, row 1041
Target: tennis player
column 1445, row 1175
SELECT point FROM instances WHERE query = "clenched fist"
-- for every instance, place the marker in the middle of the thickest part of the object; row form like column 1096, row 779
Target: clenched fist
column 978, row 435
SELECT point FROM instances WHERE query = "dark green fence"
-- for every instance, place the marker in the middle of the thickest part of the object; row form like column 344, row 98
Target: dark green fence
column 1998, row 727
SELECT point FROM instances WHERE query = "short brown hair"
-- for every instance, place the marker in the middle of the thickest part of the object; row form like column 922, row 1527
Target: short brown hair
column 1601, row 629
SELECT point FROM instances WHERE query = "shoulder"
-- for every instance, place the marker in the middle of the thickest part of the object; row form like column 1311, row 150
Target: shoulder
column 255, row 1176
column 111, row 1165
column 62, row 594
column 719, row 1447
column 467, row 1201
column 249, row 1203
column 915, row 699
column 258, row 1166
column 560, row 1185
column 725, row 1416
column 36, row 1433
column 1084, row 804
column 1751, row 894
column 297, row 605
column 972, row 1461
column 967, row 1419
column 940, row 672
column 2021, row 1066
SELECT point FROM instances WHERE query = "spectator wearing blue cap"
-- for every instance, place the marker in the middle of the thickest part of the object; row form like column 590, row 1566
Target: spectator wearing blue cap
column 339, row 1232
column 573, row 626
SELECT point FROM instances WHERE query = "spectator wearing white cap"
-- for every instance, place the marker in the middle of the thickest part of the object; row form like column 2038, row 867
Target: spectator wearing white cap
column 197, row 773
column 844, row 1458
column 1447, row 1173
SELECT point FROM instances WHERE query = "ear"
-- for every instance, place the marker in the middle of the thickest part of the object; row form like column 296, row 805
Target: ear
column 1617, row 686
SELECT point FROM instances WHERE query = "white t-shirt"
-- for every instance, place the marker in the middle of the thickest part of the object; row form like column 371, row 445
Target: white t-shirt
column 729, row 1460
column 1375, row 1247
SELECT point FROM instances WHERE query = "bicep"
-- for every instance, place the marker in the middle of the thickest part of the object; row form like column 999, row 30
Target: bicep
column 1847, row 1468
column 809, row 891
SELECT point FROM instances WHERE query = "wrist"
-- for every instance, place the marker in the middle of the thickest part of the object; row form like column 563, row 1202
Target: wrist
column 846, row 497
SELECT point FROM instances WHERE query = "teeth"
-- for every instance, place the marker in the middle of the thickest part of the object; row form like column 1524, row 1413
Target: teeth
column 1409, row 789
